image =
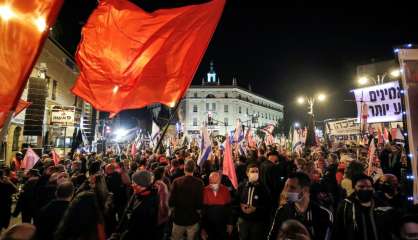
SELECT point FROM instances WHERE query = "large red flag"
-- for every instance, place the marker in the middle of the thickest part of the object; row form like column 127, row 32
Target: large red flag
column 228, row 164
column 24, row 26
column 130, row 58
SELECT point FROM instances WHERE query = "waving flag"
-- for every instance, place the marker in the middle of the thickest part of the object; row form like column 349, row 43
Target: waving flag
column 30, row 159
column 238, row 133
column 374, row 170
column 55, row 157
column 133, row 150
column 250, row 139
column 228, row 167
column 23, row 29
column 205, row 146
column 130, row 58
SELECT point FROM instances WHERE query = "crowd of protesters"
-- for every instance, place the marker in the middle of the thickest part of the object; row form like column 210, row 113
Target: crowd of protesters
column 322, row 193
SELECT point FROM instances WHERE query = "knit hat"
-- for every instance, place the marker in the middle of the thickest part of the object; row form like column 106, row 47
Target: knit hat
column 143, row 178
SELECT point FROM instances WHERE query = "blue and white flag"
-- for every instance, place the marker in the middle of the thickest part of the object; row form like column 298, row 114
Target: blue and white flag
column 205, row 146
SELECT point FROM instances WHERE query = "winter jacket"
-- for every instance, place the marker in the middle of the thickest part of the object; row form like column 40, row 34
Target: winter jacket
column 353, row 221
column 317, row 219
column 142, row 217
column 256, row 195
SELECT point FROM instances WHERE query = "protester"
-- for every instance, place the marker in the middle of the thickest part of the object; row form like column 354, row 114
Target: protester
column 186, row 199
column 253, row 206
column 292, row 229
column 163, row 208
column 317, row 219
column 217, row 222
column 26, row 204
column 360, row 217
column 142, row 218
column 7, row 189
column 50, row 215
column 82, row 220
column 407, row 228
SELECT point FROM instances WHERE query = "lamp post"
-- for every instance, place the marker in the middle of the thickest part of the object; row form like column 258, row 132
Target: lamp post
column 311, row 101
column 380, row 78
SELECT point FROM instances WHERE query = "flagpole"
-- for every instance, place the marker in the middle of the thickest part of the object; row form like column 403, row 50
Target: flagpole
column 166, row 126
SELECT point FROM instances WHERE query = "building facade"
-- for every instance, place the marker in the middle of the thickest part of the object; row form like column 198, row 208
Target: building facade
column 222, row 105
column 48, row 90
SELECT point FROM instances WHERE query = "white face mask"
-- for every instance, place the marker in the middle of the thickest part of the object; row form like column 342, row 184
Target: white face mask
column 214, row 186
column 293, row 197
column 253, row 177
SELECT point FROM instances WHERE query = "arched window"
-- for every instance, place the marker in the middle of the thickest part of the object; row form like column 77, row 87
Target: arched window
column 16, row 135
column 210, row 96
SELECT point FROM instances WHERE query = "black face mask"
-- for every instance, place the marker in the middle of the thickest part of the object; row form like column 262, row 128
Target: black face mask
column 388, row 189
column 364, row 195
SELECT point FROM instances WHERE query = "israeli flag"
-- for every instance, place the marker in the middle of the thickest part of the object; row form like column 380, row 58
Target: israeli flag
column 205, row 146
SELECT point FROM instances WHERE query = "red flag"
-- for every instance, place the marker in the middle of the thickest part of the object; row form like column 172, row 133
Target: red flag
column 129, row 58
column 228, row 164
column 30, row 159
column 21, row 105
column 386, row 135
column 133, row 150
column 55, row 157
column 380, row 139
column 24, row 27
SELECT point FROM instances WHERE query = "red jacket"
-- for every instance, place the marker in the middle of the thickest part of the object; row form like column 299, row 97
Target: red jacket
column 222, row 197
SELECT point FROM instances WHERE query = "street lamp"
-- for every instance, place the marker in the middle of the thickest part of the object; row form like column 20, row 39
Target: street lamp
column 363, row 80
column 296, row 124
column 311, row 101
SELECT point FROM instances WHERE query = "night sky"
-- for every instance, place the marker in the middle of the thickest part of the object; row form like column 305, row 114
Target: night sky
column 284, row 52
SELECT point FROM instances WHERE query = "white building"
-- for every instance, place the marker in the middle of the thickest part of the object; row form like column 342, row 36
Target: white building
column 225, row 104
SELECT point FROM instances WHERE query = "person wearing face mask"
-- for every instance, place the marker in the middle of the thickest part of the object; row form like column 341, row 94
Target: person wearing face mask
column 387, row 192
column 359, row 216
column 216, row 212
column 317, row 219
column 254, row 206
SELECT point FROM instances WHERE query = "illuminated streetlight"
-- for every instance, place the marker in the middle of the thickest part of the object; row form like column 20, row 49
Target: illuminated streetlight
column 395, row 73
column 301, row 100
column 363, row 80
column 6, row 12
column 296, row 124
column 311, row 101
column 321, row 97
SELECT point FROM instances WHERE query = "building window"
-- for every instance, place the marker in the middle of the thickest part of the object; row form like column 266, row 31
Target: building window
column 214, row 107
column 210, row 96
column 226, row 108
column 207, row 107
column 239, row 96
column 16, row 135
column 194, row 108
column 54, row 90
column 195, row 95
column 226, row 95
column 194, row 121
column 226, row 121
column 247, row 111
column 239, row 109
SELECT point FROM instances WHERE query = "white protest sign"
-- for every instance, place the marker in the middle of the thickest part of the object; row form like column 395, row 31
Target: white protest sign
column 383, row 101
